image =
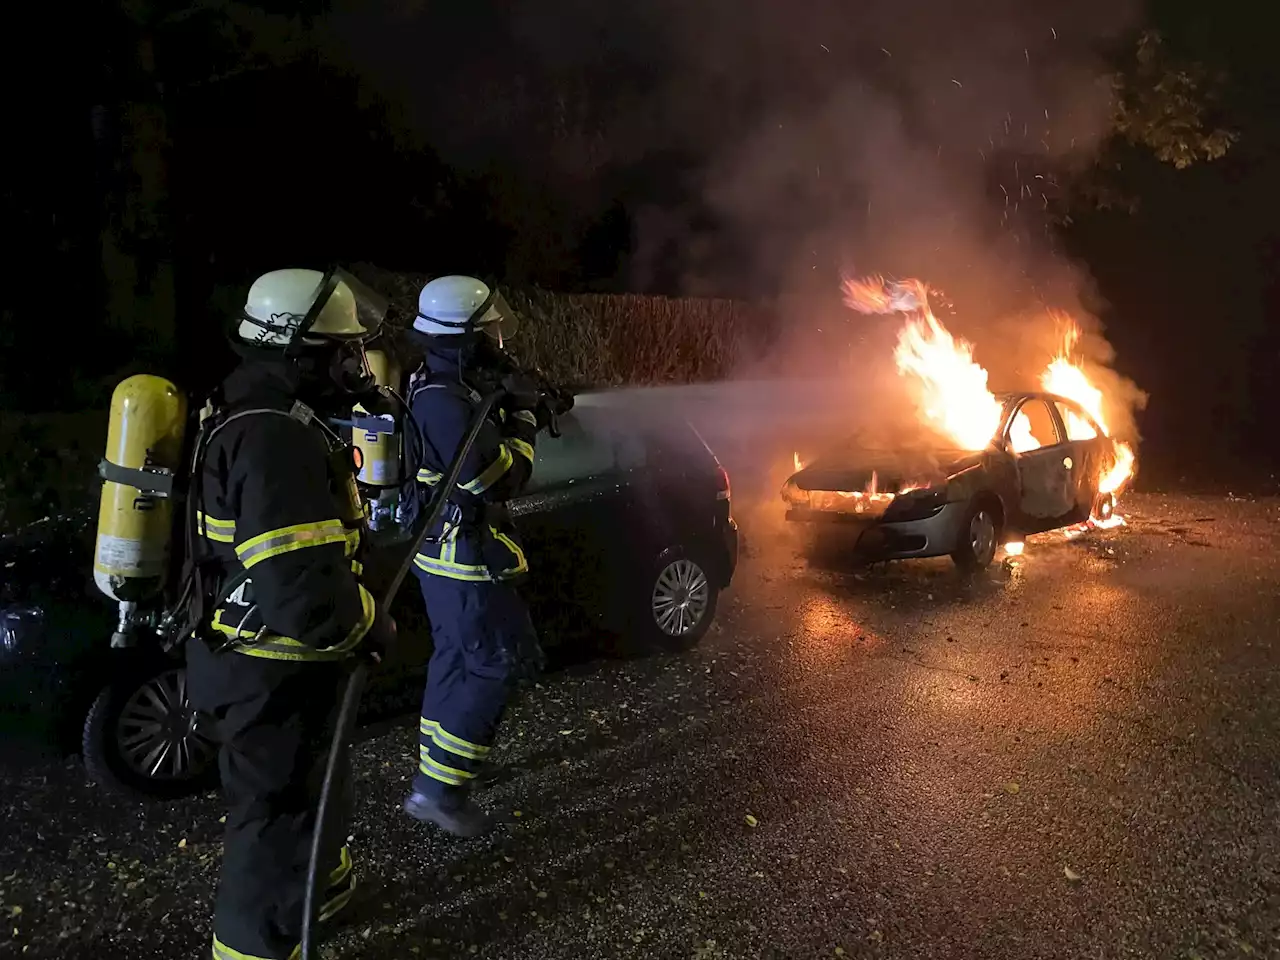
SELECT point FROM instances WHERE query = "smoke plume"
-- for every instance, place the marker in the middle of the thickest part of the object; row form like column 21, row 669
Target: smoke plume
column 805, row 142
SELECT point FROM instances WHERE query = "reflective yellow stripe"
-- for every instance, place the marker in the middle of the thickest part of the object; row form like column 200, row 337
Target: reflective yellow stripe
column 528, row 416
column 222, row 952
column 445, row 740
column 352, row 541
column 429, row 477
column 521, row 447
column 427, row 727
column 219, row 531
column 492, row 473
column 275, row 647
column 447, row 566
column 368, row 608
column 433, row 768
column 337, row 902
column 339, row 873
column 287, row 539
column 522, row 565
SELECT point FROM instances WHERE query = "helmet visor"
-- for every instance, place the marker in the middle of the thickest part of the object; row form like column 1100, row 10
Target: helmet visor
column 499, row 322
column 345, row 308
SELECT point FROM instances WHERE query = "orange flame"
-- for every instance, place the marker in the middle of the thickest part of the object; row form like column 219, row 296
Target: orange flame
column 1068, row 379
column 796, row 461
column 952, row 387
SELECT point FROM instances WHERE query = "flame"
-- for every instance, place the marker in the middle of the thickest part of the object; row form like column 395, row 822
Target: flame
column 1015, row 548
column 953, row 388
column 1068, row 379
column 1115, row 478
column 796, row 461
column 876, row 295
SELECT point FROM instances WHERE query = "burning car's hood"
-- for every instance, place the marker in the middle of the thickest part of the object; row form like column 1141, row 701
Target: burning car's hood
column 884, row 470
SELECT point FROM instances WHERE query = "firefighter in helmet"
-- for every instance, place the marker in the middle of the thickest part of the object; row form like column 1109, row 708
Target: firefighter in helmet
column 278, row 516
column 483, row 638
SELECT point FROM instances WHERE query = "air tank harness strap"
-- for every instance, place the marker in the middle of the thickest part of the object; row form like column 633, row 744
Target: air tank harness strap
column 156, row 482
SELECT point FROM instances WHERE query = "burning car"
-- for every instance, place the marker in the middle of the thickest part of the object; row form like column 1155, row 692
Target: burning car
column 1048, row 465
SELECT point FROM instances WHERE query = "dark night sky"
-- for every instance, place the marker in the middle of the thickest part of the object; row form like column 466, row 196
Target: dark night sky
column 750, row 148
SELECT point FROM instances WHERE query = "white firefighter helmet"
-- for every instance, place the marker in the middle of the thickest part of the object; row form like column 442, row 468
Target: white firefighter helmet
column 284, row 305
column 455, row 305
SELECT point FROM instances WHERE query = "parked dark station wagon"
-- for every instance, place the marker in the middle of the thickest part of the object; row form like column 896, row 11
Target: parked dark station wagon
column 627, row 525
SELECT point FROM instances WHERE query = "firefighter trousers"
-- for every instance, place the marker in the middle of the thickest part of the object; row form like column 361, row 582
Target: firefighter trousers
column 273, row 720
column 481, row 634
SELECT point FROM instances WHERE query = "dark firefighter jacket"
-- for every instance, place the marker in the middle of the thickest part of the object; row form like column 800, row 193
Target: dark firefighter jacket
column 272, row 504
column 475, row 538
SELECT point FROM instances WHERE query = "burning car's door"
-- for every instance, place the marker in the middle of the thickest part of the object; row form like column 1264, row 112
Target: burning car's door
column 1046, row 483
column 1090, row 451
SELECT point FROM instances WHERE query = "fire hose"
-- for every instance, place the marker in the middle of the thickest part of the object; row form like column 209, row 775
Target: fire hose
column 356, row 681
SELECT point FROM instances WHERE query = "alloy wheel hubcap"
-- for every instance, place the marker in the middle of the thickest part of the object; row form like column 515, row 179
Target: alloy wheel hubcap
column 982, row 534
column 680, row 597
column 159, row 733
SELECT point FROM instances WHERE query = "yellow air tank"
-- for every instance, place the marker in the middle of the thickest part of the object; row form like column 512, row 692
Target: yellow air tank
column 135, row 519
column 379, row 456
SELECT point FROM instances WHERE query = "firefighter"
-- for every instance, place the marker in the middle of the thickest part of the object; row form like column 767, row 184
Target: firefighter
column 278, row 514
column 483, row 639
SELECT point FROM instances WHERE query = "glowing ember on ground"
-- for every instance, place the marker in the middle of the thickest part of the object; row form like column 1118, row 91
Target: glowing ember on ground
column 1014, row 549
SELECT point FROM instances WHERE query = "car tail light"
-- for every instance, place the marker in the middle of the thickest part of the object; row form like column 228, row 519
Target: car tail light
column 722, row 490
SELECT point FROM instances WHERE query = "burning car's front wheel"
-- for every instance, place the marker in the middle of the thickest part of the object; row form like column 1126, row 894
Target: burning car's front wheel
column 978, row 536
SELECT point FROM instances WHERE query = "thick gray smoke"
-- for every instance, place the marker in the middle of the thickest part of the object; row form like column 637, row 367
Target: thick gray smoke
column 915, row 139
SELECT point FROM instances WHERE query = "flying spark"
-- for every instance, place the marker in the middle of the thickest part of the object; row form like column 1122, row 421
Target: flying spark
column 885, row 52
column 957, row 82
column 825, row 47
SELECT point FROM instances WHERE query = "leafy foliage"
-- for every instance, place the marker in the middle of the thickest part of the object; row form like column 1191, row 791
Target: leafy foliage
column 1167, row 103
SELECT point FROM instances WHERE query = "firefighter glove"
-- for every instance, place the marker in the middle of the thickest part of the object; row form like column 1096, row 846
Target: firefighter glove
column 380, row 641
column 523, row 392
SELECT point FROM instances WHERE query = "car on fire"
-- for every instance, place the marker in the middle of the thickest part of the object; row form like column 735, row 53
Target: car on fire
column 1048, row 465
column 627, row 524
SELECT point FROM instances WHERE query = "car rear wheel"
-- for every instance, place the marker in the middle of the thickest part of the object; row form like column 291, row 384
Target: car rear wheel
column 143, row 738
column 1104, row 506
column 978, row 536
column 679, row 601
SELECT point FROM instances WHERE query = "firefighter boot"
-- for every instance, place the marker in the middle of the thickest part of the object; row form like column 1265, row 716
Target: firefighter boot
column 456, row 813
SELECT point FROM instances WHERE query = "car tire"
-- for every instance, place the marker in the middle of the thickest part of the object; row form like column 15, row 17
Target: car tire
column 1104, row 507
column 677, row 603
column 978, row 536
column 143, row 720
